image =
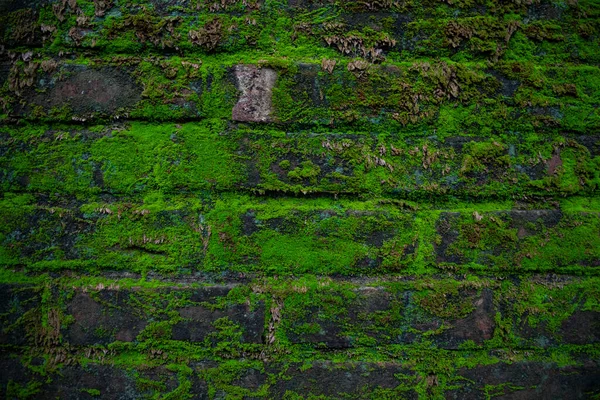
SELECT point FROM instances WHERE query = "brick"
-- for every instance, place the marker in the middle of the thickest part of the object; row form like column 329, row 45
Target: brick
column 376, row 317
column 256, row 86
column 16, row 302
column 104, row 320
column 527, row 380
column 355, row 380
column 198, row 322
column 519, row 240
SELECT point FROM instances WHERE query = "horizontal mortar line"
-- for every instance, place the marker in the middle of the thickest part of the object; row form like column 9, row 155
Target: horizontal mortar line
column 334, row 133
column 151, row 51
column 400, row 347
column 125, row 61
column 10, row 349
column 418, row 195
column 363, row 282
column 375, row 208
column 16, row 122
column 216, row 278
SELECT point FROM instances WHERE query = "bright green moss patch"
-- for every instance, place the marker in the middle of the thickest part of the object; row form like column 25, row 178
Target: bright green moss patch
column 320, row 236
column 129, row 159
column 185, row 154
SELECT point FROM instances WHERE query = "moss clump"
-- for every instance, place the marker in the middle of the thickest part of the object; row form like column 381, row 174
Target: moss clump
column 306, row 170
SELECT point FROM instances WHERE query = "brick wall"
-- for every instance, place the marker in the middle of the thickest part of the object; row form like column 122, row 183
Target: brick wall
column 308, row 199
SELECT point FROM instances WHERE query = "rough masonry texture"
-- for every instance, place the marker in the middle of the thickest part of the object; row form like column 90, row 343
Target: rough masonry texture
column 303, row 199
column 256, row 86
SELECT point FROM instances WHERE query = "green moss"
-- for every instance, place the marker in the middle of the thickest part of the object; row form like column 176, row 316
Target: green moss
column 185, row 154
column 17, row 391
column 306, row 170
column 483, row 158
column 92, row 392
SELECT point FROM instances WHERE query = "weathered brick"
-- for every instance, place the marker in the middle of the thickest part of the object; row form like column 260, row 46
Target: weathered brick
column 121, row 315
column 256, row 86
column 376, row 317
column 16, row 301
column 104, row 319
column 519, row 240
column 354, row 379
column 528, row 380
column 198, row 322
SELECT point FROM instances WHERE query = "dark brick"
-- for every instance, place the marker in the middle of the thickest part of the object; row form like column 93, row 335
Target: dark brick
column 529, row 380
column 199, row 321
column 103, row 321
column 89, row 91
column 113, row 383
column 478, row 326
column 15, row 302
column 582, row 327
column 391, row 318
column 341, row 380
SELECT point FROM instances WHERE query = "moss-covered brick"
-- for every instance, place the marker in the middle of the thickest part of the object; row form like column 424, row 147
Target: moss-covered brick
column 399, row 335
column 247, row 234
column 391, row 97
column 134, row 158
column 527, row 240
